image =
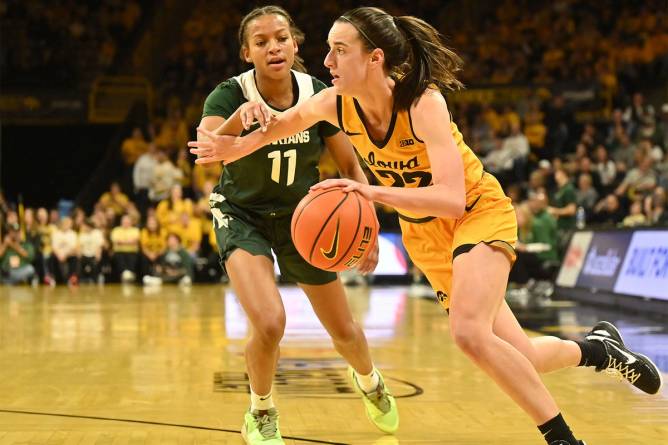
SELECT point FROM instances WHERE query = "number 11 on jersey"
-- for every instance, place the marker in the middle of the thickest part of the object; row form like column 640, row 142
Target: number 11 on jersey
column 275, row 157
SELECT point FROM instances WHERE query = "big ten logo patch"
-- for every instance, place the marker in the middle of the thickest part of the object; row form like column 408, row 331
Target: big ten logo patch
column 294, row 376
column 442, row 296
column 406, row 142
column 309, row 377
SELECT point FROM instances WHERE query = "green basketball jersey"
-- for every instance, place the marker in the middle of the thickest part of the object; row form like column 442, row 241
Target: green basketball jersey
column 273, row 179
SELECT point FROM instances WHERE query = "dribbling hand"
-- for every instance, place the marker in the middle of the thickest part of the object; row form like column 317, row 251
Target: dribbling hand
column 348, row 185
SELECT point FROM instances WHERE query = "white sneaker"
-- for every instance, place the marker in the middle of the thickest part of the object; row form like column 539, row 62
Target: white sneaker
column 127, row 276
column 148, row 280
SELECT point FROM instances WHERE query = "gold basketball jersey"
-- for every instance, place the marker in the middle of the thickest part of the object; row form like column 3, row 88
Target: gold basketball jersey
column 400, row 160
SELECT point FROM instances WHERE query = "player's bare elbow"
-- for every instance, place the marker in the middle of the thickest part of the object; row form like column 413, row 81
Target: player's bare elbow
column 458, row 207
column 452, row 205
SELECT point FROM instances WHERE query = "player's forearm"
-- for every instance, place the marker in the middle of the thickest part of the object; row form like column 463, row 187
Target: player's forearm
column 434, row 200
column 356, row 174
column 232, row 125
column 289, row 123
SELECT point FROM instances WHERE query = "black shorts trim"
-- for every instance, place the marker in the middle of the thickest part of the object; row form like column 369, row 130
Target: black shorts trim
column 416, row 220
column 465, row 248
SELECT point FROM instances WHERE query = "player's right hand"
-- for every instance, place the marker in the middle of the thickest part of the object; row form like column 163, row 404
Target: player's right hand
column 252, row 111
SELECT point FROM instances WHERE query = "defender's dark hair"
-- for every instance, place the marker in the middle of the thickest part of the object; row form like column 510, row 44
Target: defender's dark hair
column 415, row 56
column 297, row 34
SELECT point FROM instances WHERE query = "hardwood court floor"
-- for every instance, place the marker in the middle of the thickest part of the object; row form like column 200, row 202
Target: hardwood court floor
column 122, row 365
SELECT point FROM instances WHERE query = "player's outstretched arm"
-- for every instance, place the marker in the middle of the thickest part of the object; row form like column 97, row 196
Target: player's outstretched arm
column 320, row 107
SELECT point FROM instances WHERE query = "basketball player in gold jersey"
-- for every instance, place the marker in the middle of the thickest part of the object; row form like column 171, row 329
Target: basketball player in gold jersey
column 457, row 224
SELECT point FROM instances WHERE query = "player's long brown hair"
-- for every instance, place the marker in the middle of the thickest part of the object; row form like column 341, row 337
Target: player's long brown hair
column 415, row 56
column 297, row 34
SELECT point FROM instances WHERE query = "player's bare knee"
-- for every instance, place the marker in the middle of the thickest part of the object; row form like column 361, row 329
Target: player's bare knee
column 345, row 334
column 470, row 336
column 270, row 328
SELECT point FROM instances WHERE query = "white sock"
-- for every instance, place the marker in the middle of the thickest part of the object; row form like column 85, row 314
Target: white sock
column 261, row 403
column 368, row 382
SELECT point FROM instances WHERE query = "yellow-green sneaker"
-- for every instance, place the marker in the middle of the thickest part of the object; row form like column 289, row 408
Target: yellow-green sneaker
column 381, row 408
column 261, row 428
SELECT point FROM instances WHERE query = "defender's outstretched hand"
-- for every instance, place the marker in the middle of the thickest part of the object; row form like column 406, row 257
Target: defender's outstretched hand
column 215, row 148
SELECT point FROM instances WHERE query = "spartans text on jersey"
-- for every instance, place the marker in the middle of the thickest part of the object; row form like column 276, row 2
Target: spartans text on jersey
column 303, row 137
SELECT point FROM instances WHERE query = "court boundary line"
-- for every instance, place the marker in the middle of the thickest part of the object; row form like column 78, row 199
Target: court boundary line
column 149, row 422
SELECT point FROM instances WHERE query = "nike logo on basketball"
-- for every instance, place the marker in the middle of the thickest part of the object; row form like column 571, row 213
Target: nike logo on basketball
column 334, row 249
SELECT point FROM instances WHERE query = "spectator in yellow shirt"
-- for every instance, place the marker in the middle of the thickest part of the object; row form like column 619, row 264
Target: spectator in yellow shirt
column 173, row 132
column 115, row 199
column 153, row 244
column 170, row 209
column 133, row 147
column 190, row 232
column 125, row 244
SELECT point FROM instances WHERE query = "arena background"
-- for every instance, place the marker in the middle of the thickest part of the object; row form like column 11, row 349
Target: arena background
column 566, row 102
column 549, row 85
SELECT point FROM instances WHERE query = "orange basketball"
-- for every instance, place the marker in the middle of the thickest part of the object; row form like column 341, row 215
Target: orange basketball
column 333, row 230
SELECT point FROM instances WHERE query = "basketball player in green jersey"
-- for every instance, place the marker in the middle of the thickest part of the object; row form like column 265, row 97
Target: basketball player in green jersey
column 252, row 208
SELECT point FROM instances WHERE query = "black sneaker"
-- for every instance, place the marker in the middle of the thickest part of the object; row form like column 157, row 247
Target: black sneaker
column 563, row 442
column 621, row 362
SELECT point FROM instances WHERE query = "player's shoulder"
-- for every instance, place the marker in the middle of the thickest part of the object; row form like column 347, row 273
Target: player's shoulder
column 431, row 97
column 231, row 84
column 430, row 104
column 227, row 89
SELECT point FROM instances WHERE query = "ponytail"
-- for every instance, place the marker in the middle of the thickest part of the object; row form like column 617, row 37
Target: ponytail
column 429, row 64
column 415, row 56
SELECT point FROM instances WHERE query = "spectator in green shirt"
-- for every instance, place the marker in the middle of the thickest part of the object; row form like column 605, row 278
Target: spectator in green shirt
column 174, row 266
column 543, row 227
column 537, row 240
column 564, row 207
column 565, row 202
column 16, row 257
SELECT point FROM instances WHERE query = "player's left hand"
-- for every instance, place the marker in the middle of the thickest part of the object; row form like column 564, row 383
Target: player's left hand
column 216, row 148
column 348, row 185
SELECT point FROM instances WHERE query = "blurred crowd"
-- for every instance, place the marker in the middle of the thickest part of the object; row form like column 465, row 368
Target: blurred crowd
column 172, row 242
column 509, row 42
column 64, row 41
column 153, row 225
